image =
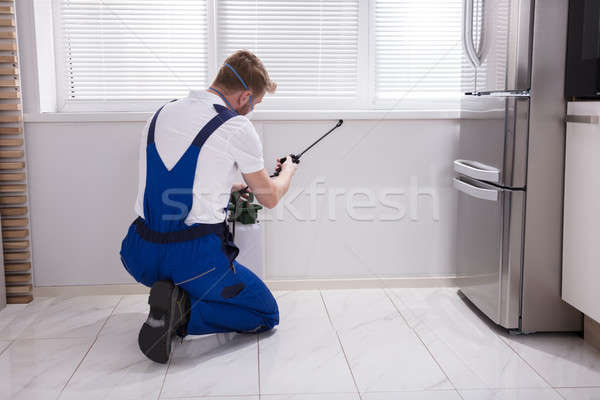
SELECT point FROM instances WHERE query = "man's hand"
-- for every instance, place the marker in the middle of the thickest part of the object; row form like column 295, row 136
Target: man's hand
column 236, row 187
column 288, row 165
column 269, row 191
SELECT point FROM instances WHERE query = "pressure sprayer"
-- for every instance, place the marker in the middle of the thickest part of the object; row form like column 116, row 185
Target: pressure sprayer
column 242, row 209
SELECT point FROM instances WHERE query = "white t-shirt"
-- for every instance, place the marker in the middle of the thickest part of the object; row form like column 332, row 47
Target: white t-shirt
column 235, row 144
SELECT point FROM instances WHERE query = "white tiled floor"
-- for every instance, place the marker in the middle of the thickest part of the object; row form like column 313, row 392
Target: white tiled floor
column 419, row 344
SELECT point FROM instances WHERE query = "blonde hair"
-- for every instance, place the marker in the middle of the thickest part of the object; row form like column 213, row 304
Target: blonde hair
column 252, row 71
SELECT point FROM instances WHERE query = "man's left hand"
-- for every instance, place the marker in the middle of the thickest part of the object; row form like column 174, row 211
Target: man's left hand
column 239, row 186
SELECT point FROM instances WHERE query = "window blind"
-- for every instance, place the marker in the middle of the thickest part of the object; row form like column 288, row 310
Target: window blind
column 132, row 49
column 310, row 48
column 418, row 49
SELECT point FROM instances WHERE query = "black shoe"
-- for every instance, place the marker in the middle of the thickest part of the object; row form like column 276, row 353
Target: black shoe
column 168, row 313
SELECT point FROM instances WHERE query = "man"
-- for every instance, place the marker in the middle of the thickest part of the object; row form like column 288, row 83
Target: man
column 180, row 245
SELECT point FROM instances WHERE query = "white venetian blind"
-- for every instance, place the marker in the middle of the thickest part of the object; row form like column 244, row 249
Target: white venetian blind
column 310, row 48
column 418, row 49
column 132, row 49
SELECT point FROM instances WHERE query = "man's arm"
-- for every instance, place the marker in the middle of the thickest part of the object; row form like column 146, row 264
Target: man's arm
column 269, row 191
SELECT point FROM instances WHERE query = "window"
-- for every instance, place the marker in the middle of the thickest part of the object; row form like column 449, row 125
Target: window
column 418, row 49
column 131, row 55
column 309, row 47
column 111, row 51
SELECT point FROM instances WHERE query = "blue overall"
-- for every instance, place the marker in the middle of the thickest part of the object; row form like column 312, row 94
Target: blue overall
column 200, row 258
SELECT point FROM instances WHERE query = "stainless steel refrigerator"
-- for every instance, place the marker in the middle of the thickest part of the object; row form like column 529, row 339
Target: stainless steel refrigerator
column 509, row 171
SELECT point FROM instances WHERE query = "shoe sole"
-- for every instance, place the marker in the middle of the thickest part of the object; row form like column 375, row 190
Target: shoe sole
column 155, row 341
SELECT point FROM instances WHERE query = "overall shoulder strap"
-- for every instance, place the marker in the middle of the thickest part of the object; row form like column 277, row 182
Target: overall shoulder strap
column 223, row 115
column 153, row 124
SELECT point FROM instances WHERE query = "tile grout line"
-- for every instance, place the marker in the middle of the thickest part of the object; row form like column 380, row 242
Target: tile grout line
column 51, row 300
column 225, row 396
column 507, row 344
column 457, row 354
column 559, row 394
column 9, row 345
column 171, row 360
column 526, row 362
column 341, row 346
column 422, row 342
column 89, row 348
column 577, row 387
column 258, row 363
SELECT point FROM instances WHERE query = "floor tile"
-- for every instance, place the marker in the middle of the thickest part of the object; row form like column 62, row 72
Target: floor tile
column 350, row 309
column 221, row 364
column 15, row 318
column 72, row 317
column 580, row 393
column 303, row 354
column 413, row 395
column 213, row 398
column 39, row 368
column 128, row 317
column 464, row 345
column 116, row 369
column 383, row 352
column 510, row 394
column 300, row 306
column 301, row 359
column 563, row 360
column 278, row 293
column 312, row 396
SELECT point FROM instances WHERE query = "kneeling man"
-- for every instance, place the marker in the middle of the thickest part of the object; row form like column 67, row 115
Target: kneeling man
column 180, row 245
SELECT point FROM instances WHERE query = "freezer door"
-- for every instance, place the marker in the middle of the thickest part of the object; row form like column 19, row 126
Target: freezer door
column 489, row 248
column 497, row 44
column 493, row 140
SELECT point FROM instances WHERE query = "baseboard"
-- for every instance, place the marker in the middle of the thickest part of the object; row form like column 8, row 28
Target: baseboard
column 364, row 283
column 298, row 284
column 89, row 290
column 591, row 331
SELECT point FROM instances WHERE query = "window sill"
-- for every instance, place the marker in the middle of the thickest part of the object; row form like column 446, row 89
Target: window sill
column 267, row 115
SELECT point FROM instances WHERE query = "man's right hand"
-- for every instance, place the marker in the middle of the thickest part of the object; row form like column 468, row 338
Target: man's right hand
column 269, row 191
column 288, row 165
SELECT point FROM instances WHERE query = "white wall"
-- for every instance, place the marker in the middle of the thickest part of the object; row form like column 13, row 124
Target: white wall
column 83, row 180
column 412, row 158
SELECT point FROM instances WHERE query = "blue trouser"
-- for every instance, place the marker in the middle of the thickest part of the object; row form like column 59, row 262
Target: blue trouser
column 223, row 298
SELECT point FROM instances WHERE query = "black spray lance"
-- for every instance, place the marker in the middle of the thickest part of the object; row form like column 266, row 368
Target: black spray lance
column 236, row 197
column 296, row 157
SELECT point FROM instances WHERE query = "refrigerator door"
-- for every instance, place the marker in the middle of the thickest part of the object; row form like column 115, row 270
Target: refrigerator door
column 497, row 38
column 493, row 140
column 489, row 248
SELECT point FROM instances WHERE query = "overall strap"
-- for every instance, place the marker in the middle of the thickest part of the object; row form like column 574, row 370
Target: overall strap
column 153, row 124
column 223, row 115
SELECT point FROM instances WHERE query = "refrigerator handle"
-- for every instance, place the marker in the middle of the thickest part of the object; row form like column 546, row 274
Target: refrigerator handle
column 477, row 170
column 474, row 191
column 467, row 33
column 482, row 35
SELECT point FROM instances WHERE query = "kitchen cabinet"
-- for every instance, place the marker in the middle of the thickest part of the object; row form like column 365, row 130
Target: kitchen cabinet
column 581, row 227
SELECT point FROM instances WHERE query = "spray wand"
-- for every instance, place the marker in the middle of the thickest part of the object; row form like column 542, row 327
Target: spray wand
column 246, row 212
column 296, row 158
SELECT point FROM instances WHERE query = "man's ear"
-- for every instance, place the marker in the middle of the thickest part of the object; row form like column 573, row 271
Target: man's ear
column 245, row 97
